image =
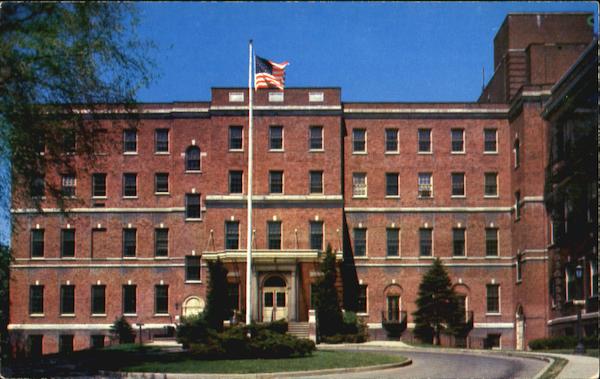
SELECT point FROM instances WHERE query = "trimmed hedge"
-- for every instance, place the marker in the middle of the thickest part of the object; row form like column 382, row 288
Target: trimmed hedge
column 562, row 342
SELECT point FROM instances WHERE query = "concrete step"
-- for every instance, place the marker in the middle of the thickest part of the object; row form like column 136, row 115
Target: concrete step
column 298, row 329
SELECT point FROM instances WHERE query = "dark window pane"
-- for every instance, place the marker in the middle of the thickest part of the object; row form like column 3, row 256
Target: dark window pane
column 391, row 140
column 192, row 268
column 69, row 139
column 129, row 299
column 161, row 182
column 130, row 184
column 393, row 242
column 161, row 299
column 393, row 308
column 98, row 299
column 35, row 345
column 424, row 140
column 130, row 141
column 37, row 187
column 391, row 184
column 233, row 292
column 161, row 141
column 491, row 186
column 360, row 242
column 192, row 206
column 359, row 140
column 280, row 299
column 192, row 158
column 276, row 181
column 97, row 341
column 458, row 240
column 269, row 299
column 36, row 299
column 316, row 138
column 235, row 182
column 129, row 242
column 457, row 140
column 425, row 244
column 232, row 235
column 458, row 184
column 276, row 138
column 316, row 235
column 361, row 299
column 68, row 243
column 235, row 138
column 99, row 185
column 37, row 243
column 67, row 299
column 316, row 182
column 274, row 235
column 490, row 140
column 65, row 343
column 491, row 242
column 493, row 299
column 161, row 242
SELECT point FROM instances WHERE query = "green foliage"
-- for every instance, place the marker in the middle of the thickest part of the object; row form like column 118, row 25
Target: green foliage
column 122, row 330
column 218, row 307
column 562, row 342
column 353, row 330
column 279, row 326
column 193, row 329
column 55, row 58
column 437, row 305
column 328, row 311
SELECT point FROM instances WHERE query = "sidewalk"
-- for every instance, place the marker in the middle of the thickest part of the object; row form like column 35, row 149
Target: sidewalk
column 578, row 367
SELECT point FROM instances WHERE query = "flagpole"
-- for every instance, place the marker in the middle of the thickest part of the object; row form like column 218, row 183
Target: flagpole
column 249, row 197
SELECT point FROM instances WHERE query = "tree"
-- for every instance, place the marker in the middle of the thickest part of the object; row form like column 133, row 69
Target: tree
column 218, row 306
column 63, row 66
column 4, row 301
column 437, row 305
column 328, row 310
column 122, row 330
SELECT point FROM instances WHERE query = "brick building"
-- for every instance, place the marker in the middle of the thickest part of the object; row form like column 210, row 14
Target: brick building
column 389, row 185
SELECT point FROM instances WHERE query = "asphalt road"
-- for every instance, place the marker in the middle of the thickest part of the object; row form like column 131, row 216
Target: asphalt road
column 437, row 365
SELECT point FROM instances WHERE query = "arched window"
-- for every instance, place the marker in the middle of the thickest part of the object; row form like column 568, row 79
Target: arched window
column 192, row 306
column 192, row 158
column 275, row 281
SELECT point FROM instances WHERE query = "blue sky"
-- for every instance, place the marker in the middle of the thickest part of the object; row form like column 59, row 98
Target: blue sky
column 373, row 51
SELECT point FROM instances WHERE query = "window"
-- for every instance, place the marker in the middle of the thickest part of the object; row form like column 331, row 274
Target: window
column 517, row 152
column 361, row 299
column 458, row 184
column 67, row 299
column 161, row 141
column 37, row 187
column 129, row 185
column 161, row 242
column 161, row 299
column 393, row 242
column 68, row 183
column 36, row 300
column 192, row 158
column 233, row 293
column 69, row 143
column 37, row 243
column 276, row 97
column 517, row 205
column 393, row 308
column 316, row 182
column 316, row 235
column 458, row 140
column 235, row 182
column 161, row 182
column 314, row 288
column 359, row 184
column 314, row 97
column 594, row 276
column 129, row 299
column 391, row 184
column 99, row 185
column 490, row 144
column 424, row 136
column 276, row 138
column 458, row 242
column 236, row 97
column 491, row 184
column 360, row 242
column 97, row 341
column 35, row 345
column 232, row 235
column 236, row 138
column 98, row 299
column 130, row 141
column 492, row 341
column 192, row 268
column 461, row 300
column 316, row 138
column 491, row 242
column 276, row 181
column 192, row 206
column 129, row 242
column 425, row 185
column 67, row 242
column 493, row 298
column 425, row 242
column 359, row 140
column 65, row 343
column 519, row 268
column 571, row 290
column 100, row 141
column 391, row 141
column 274, row 235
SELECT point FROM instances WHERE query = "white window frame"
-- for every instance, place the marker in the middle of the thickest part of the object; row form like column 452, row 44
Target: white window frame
column 137, row 145
column 396, row 196
column 356, row 187
column 282, row 138
column 359, row 152
column 496, row 139
column 168, row 141
column 366, row 242
column 464, row 143
column 420, row 184
column 430, row 151
column 497, row 195
column 276, row 97
column 464, row 184
column 229, row 138
column 236, row 97
column 499, row 312
column 322, row 138
column 316, row 97
column 397, row 132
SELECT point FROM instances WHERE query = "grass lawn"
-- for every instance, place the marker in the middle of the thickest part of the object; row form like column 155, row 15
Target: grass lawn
column 318, row 361
column 588, row 352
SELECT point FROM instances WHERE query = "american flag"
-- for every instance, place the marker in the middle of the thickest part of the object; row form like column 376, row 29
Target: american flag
column 269, row 74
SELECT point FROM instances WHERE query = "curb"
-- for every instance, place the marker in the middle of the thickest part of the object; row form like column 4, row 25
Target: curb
column 287, row 374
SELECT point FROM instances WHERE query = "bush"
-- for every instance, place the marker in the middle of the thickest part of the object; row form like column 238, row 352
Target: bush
column 122, row 330
column 279, row 326
column 394, row 329
column 194, row 329
column 562, row 342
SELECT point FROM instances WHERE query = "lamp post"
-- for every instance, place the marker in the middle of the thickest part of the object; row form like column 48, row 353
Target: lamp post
column 579, row 349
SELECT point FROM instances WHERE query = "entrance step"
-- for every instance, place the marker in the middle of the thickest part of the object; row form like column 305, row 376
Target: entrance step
column 298, row 329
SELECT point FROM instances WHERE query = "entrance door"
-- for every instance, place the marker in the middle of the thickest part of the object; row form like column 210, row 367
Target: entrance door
column 275, row 299
column 520, row 329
